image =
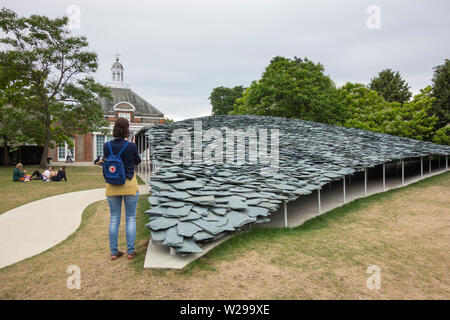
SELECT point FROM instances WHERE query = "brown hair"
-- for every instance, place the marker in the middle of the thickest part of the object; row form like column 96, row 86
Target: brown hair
column 121, row 128
column 19, row 166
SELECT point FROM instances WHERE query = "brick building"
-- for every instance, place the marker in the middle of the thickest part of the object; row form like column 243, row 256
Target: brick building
column 125, row 103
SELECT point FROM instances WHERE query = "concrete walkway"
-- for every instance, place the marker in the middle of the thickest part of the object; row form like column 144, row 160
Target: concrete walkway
column 39, row 225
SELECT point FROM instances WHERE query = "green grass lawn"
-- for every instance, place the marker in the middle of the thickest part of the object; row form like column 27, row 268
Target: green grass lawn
column 14, row 194
column 403, row 231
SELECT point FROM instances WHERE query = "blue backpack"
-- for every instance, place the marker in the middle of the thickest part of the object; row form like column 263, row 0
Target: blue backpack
column 113, row 169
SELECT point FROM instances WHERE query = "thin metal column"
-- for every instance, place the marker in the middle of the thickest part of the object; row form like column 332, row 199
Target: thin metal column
column 285, row 214
column 384, row 176
column 318, row 198
column 439, row 161
column 144, row 168
column 152, row 167
column 136, row 140
column 403, row 171
column 343, row 184
column 144, row 155
column 446, row 162
column 144, row 171
column 147, row 153
column 365, row 181
column 429, row 162
column 421, row 167
column 138, row 144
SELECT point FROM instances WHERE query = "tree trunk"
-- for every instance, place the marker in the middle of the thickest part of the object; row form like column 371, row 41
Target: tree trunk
column 5, row 154
column 44, row 157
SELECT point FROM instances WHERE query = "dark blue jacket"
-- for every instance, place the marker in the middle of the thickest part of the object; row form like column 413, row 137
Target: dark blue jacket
column 130, row 156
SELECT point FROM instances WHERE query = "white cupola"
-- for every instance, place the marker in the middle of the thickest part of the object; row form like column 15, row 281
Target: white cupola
column 117, row 75
column 117, row 71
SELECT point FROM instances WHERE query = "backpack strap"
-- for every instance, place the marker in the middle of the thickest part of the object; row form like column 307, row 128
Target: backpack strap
column 123, row 148
column 110, row 150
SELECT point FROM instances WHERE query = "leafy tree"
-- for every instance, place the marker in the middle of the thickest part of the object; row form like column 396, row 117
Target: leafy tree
column 367, row 110
column 391, row 86
column 442, row 135
column 223, row 98
column 64, row 97
column 294, row 88
column 412, row 119
column 15, row 124
column 441, row 91
column 364, row 108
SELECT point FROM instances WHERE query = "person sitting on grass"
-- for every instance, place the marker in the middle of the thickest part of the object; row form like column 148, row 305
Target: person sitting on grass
column 44, row 176
column 99, row 161
column 19, row 174
column 60, row 175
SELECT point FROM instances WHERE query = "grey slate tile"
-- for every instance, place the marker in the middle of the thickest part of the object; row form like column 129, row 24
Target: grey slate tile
column 172, row 204
column 188, row 246
column 162, row 223
column 191, row 216
column 202, row 235
column 187, row 185
column 179, row 212
column 187, row 229
column 236, row 204
column 180, row 195
column 238, row 219
column 200, row 210
column 156, row 211
column 219, row 211
column 208, row 226
column 203, row 200
column 158, row 236
column 256, row 211
column 154, row 201
column 173, row 239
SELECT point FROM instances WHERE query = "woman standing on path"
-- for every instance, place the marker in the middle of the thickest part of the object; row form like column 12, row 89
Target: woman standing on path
column 128, row 191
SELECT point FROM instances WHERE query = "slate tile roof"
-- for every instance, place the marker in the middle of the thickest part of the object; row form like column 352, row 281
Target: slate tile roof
column 143, row 108
column 201, row 202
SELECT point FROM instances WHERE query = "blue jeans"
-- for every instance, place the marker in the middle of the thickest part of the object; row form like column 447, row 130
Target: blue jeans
column 115, row 208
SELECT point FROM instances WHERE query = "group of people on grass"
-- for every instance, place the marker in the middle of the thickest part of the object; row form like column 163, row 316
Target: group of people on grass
column 50, row 174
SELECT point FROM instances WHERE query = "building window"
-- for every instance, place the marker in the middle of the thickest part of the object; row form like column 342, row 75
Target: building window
column 61, row 152
column 125, row 115
column 99, row 144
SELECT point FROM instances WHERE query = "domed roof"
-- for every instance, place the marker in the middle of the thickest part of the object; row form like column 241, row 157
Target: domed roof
column 117, row 65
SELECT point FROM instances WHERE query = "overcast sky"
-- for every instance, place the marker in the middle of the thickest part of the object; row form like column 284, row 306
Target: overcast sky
column 175, row 51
